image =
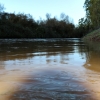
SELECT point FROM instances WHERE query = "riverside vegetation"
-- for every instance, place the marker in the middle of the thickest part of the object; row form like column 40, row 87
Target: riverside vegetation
column 93, row 19
column 24, row 26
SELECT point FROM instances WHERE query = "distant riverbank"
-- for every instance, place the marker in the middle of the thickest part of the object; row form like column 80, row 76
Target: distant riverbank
column 24, row 26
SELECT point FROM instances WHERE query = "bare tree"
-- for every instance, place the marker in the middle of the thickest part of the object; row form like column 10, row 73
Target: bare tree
column 1, row 8
column 48, row 16
column 64, row 17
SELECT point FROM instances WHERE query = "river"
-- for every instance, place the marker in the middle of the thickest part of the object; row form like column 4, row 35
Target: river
column 49, row 69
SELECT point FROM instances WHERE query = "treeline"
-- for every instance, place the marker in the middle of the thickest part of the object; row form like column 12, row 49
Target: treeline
column 24, row 26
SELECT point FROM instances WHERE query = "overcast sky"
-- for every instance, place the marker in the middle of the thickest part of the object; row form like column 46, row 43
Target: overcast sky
column 39, row 8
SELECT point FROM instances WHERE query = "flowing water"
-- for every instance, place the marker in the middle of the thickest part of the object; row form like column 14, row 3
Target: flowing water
column 49, row 69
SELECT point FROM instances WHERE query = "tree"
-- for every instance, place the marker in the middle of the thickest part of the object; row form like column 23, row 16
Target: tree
column 48, row 16
column 64, row 17
column 1, row 8
column 92, row 8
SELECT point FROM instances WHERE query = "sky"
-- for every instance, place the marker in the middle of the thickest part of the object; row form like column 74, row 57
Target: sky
column 38, row 8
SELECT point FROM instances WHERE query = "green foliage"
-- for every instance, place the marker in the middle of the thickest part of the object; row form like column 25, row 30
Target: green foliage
column 92, row 20
column 24, row 26
column 92, row 8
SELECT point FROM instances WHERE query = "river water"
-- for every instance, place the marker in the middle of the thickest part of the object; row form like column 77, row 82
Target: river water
column 49, row 69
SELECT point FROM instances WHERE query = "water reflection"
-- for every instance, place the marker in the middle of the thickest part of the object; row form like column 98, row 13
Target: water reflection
column 36, row 50
column 93, row 56
column 47, row 69
column 23, row 49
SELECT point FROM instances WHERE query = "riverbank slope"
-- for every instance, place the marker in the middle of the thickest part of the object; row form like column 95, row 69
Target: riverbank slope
column 93, row 36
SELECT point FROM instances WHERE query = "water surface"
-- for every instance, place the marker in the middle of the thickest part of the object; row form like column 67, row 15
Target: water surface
column 49, row 69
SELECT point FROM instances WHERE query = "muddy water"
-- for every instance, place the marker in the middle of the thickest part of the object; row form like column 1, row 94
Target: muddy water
column 49, row 69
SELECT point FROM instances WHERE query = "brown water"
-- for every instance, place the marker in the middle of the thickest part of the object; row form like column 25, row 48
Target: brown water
column 49, row 69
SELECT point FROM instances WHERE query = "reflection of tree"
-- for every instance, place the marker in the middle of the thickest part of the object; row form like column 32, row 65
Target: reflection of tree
column 22, row 49
column 2, row 65
column 93, row 61
column 93, row 57
column 91, row 53
column 80, row 47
